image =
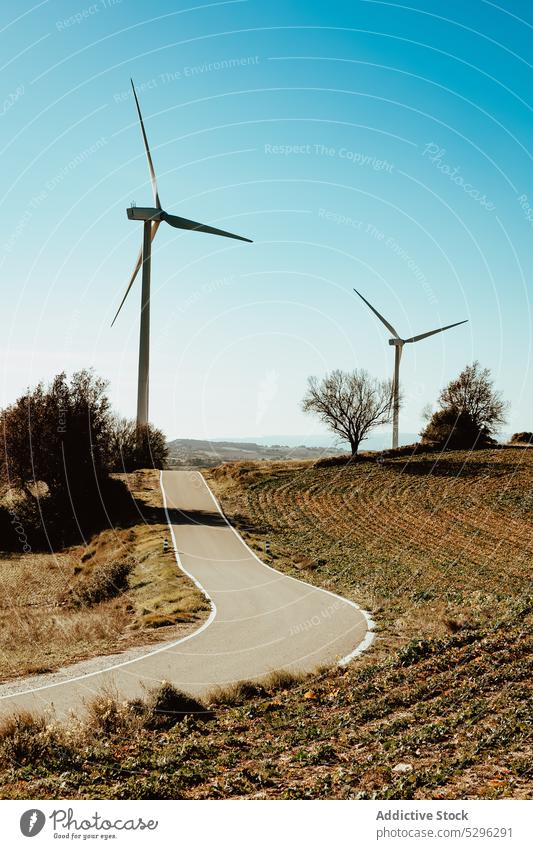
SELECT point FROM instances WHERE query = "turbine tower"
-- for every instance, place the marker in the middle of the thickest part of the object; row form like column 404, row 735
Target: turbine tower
column 152, row 218
column 398, row 348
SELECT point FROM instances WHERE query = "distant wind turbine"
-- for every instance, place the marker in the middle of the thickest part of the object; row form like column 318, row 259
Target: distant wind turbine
column 152, row 217
column 398, row 348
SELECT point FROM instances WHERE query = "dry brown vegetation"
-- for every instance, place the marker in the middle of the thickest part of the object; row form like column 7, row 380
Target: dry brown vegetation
column 441, row 707
column 117, row 591
column 429, row 543
column 441, row 720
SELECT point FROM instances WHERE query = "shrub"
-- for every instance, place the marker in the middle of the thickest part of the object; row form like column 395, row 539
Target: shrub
column 470, row 411
column 331, row 462
column 58, row 435
column 105, row 716
column 406, row 450
column 26, row 740
column 243, row 691
column 61, row 442
column 131, row 448
column 165, row 706
column 524, row 436
column 455, row 429
column 236, row 694
column 105, row 582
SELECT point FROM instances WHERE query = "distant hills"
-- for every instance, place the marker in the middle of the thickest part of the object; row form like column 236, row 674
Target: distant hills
column 191, row 453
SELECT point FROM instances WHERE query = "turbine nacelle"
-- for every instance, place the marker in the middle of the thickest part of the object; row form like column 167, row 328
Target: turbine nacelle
column 398, row 342
column 145, row 213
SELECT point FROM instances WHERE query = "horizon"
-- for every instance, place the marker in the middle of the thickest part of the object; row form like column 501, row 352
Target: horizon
column 326, row 440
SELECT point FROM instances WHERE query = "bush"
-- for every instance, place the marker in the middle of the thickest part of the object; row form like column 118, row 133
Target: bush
column 455, row 429
column 105, row 716
column 132, row 449
column 56, row 455
column 105, row 582
column 26, row 740
column 165, row 706
column 236, row 694
column 524, row 436
column 406, row 450
column 58, row 435
column 61, row 443
column 243, row 691
column 20, row 525
column 331, row 462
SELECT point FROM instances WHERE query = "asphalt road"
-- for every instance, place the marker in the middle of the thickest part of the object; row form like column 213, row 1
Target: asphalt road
column 260, row 621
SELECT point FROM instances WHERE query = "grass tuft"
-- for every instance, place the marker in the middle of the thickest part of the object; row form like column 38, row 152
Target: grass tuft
column 161, row 709
column 104, row 583
column 165, row 706
column 243, row 691
column 27, row 740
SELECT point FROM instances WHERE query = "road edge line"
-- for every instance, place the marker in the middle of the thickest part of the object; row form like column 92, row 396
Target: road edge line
column 158, row 650
column 195, row 581
column 369, row 637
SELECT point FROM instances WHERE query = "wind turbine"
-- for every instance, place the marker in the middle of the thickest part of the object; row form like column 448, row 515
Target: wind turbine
column 152, row 218
column 398, row 348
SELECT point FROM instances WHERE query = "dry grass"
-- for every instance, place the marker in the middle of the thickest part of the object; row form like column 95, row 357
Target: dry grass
column 453, row 714
column 32, row 741
column 428, row 545
column 441, row 709
column 117, row 591
column 243, row 691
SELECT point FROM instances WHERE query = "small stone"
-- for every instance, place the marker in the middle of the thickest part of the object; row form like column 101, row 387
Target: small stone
column 402, row 768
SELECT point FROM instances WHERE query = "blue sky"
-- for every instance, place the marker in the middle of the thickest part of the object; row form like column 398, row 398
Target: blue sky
column 367, row 144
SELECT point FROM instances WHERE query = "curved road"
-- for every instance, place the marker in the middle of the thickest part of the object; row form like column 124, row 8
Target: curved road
column 260, row 621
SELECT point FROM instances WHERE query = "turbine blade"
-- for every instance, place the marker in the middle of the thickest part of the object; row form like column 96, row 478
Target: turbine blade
column 432, row 332
column 138, row 264
column 147, row 149
column 185, row 224
column 384, row 320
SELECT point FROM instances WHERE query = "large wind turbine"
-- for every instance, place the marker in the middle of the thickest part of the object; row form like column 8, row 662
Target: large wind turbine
column 152, row 218
column 398, row 348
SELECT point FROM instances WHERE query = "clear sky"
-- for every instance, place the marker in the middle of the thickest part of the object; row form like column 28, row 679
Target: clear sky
column 368, row 144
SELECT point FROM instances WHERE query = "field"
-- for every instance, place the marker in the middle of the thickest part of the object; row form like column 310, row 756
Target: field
column 428, row 545
column 440, row 707
column 117, row 591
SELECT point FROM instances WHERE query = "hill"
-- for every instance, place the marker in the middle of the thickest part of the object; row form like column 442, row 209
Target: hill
column 439, row 549
column 420, row 540
column 203, row 453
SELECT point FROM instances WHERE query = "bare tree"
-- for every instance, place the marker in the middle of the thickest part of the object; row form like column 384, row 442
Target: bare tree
column 351, row 404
